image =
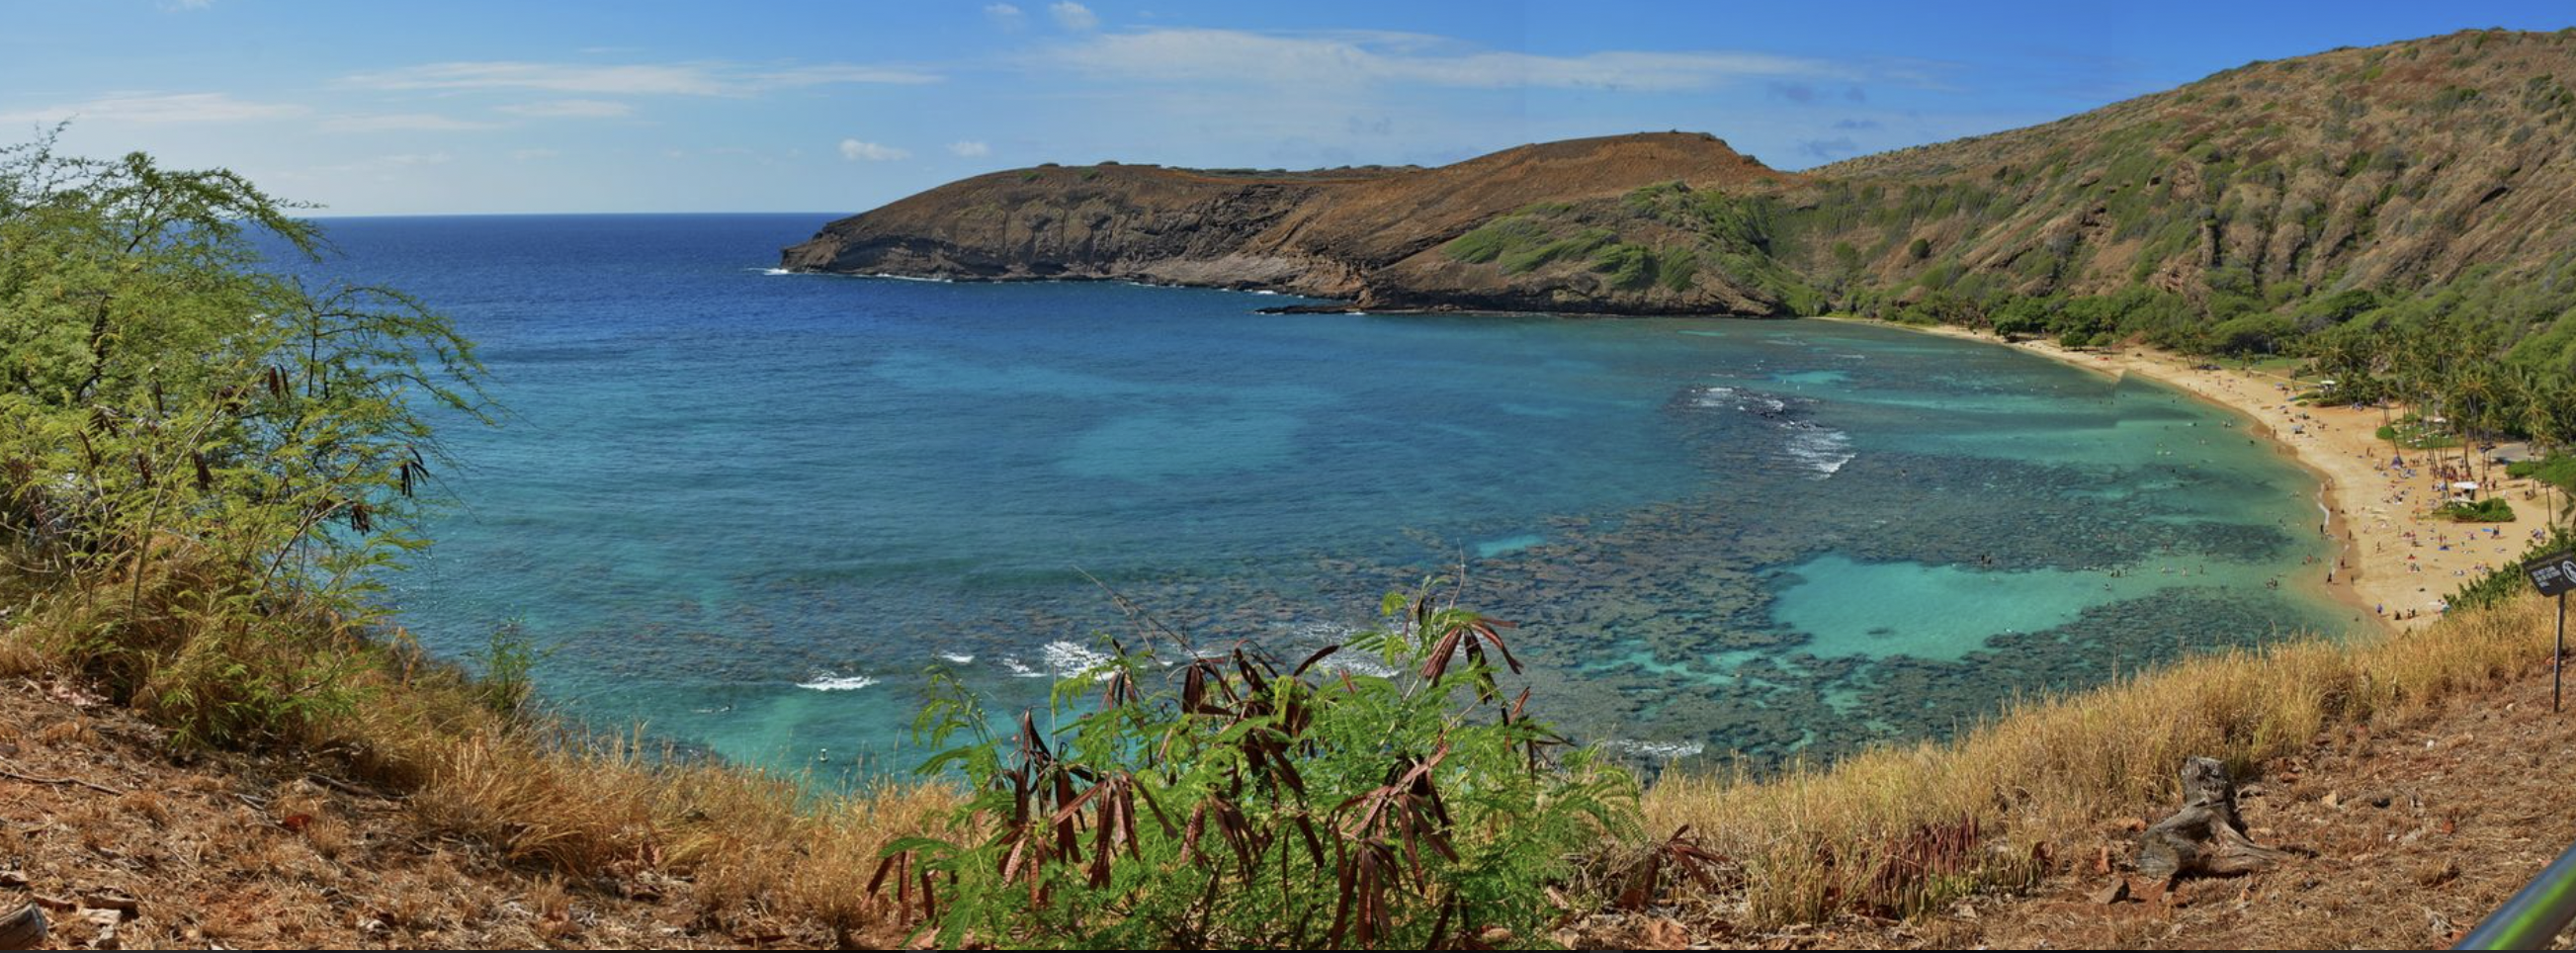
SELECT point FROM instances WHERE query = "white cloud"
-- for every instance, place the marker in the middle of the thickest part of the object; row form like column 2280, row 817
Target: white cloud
column 1074, row 16
column 384, row 168
column 570, row 109
column 1006, row 16
column 834, row 73
column 1355, row 57
column 156, row 108
column 970, row 149
column 532, row 155
column 855, row 151
column 404, row 122
column 667, row 79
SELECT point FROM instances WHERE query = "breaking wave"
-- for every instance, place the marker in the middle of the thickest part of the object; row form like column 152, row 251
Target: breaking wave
column 828, row 682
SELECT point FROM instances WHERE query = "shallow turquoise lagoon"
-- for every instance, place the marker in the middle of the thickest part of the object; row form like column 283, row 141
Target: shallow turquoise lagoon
column 751, row 509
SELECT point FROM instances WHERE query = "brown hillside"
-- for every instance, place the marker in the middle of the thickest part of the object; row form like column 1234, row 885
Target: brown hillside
column 2390, row 168
column 1317, row 233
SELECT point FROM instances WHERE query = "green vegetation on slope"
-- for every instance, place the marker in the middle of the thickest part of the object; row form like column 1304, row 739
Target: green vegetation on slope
column 1664, row 237
column 1238, row 806
column 202, row 465
column 2279, row 208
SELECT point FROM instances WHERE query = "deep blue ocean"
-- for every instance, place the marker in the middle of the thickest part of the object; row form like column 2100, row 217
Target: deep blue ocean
column 750, row 509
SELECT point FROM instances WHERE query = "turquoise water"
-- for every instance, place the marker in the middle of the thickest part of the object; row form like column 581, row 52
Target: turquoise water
column 751, row 509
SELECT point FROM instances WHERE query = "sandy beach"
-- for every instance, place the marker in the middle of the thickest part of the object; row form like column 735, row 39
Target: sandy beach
column 2398, row 561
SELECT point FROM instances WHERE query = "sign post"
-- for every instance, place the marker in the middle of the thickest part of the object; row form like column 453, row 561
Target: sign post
column 2554, row 575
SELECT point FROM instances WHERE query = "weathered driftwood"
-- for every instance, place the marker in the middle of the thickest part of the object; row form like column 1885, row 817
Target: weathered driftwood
column 2205, row 838
column 22, row 929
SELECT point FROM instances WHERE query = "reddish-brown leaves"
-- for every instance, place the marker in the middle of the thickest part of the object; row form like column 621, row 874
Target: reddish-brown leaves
column 1381, row 853
column 1680, row 853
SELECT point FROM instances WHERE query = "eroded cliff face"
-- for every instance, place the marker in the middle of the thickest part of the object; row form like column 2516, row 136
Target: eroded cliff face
column 2392, row 169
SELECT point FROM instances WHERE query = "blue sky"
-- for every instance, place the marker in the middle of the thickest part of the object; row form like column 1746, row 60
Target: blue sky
column 473, row 107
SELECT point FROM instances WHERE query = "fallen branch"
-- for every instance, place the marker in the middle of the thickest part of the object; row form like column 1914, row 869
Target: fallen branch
column 32, row 779
column 22, row 929
column 347, row 788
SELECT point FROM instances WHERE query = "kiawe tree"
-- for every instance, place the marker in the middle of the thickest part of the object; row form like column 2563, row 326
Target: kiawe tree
column 172, row 405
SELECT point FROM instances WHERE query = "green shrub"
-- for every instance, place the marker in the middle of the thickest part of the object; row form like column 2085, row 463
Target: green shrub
column 507, row 682
column 1521, row 243
column 2453, row 97
column 1527, row 258
column 2413, row 434
column 2493, row 509
column 2558, row 471
column 2507, row 581
column 1262, row 805
column 1676, row 267
column 1630, row 267
column 236, row 455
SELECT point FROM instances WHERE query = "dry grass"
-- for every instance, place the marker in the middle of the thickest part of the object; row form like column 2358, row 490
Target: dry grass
column 1854, row 836
column 18, row 658
column 750, row 847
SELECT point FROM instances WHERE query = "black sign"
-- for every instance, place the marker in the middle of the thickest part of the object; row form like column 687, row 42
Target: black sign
column 2554, row 573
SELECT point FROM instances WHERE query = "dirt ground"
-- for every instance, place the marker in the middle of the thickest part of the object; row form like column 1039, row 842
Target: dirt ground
column 261, row 852
column 2406, row 837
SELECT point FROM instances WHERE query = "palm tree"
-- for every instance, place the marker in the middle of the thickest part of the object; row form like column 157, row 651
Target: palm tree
column 2549, row 416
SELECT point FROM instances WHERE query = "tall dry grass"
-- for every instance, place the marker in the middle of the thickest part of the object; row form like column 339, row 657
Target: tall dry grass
column 1875, row 831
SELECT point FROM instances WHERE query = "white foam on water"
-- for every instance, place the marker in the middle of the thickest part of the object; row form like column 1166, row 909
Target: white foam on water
column 1662, row 750
column 828, row 682
column 935, row 281
column 1021, row 669
column 1068, row 660
column 1823, row 449
column 1356, row 663
column 957, row 658
column 1263, row 291
column 1722, row 397
column 1320, row 634
column 1331, row 633
column 776, row 271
